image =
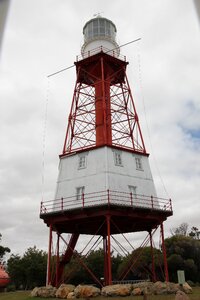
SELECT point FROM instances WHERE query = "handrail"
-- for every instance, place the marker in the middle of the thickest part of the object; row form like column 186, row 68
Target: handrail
column 99, row 49
column 108, row 197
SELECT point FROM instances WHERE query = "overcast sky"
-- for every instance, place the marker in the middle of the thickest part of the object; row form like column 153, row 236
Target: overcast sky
column 43, row 36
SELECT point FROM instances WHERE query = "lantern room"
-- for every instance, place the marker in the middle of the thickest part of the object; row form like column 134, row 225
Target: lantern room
column 99, row 32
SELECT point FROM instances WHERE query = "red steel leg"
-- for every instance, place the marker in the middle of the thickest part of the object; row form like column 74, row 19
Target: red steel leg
column 57, row 259
column 105, row 248
column 164, row 254
column 109, row 252
column 48, row 280
column 152, row 259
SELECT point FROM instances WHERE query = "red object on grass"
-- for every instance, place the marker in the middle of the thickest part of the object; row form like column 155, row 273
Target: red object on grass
column 4, row 277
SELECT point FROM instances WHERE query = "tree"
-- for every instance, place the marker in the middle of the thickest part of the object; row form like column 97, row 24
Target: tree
column 16, row 270
column 194, row 233
column 141, row 264
column 34, row 263
column 75, row 273
column 30, row 270
column 116, row 261
column 3, row 250
column 175, row 262
column 180, row 230
column 183, row 253
column 95, row 262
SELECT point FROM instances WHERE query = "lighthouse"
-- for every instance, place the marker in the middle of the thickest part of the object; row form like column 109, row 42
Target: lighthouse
column 105, row 186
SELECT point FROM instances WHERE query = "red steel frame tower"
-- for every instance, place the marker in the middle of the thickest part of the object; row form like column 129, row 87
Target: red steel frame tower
column 102, row 116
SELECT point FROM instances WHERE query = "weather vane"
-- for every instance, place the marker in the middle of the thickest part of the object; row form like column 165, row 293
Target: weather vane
column 98, row 14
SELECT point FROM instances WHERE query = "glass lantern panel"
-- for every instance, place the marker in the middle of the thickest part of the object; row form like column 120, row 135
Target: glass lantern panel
column 89, row 30
column 107, row 28
column 95, row 28
column 102, row 27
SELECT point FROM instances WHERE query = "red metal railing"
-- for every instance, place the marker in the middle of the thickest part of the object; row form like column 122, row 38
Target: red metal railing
column 112, row 52
column 108, row 197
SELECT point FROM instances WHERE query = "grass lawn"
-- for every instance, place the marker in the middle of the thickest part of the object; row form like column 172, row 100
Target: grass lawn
column 21, row 295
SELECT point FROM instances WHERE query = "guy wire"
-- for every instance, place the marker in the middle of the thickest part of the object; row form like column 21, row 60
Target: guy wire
column 44, row 135
column 148, row 130
column 123, row 45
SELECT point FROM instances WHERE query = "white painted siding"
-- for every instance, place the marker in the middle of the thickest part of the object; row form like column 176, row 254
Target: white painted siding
column 121, row 177
column 94, row 47
column 102, row 174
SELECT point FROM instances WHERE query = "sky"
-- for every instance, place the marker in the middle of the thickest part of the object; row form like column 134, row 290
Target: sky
column 44, row 36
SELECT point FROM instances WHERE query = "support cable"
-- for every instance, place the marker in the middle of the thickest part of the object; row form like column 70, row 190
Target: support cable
column 132, row 261
column 148, row 130
column 93, row 237
column 64, row 248
column 117, row 251
column 123, row 249
column 44, row 136
column 95, row 245
column 67, row 68
column 122, row 234
column 145, row 242
column 82, row 263
column 132, row 270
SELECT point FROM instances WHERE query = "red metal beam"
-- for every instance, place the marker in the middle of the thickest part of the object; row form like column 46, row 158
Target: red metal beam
column 102, row 88
column 136, row 116
column 122, row 234
column 70, row 116
column 48, row 281
column 57, row 260
column 109, row 272
column 152, row 259
column 133, row 260
column 66, row 258
column 164, row 254
column 105, row 250
column 83, row 264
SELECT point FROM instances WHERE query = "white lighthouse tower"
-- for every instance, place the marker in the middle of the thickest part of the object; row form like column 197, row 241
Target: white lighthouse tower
column 104, row 185
column 107, row 164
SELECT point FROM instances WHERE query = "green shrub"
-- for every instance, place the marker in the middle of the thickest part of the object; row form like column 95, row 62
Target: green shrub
column 11, row 288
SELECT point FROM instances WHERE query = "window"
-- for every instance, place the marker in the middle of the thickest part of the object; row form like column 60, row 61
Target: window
column 82, row 162
column 95, row 27
column 79, row 192
column 102, row 27
column 118, row 158
column 138, row 162
column 108, row 28
column 112, row 32
column 89, row 30
column 133, row 190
